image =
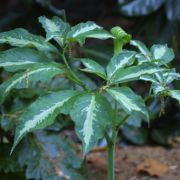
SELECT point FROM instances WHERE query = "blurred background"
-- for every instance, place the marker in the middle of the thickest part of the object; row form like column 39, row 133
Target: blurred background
column 152, row 21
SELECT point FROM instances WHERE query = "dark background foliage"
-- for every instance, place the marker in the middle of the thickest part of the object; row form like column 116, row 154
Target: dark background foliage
column 151, row 21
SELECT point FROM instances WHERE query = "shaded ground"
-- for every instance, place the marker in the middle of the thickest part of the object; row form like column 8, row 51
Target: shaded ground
column 129, row 159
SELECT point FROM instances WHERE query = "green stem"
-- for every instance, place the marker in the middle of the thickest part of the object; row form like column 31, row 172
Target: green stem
column 111, row 161
column 112, row 155
column 85, row 168
column 148, row 97
column 112, row 151
column 75, row 78
column 117, row 46
column 112, row 145
column 123, row 121
column 108, row 139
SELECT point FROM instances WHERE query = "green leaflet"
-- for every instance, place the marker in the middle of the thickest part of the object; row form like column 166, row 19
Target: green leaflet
column 85, row 30
column 175, row 94
column 159, row 76
column 120, row 60
column 148, row 77
column 165, row 78
column 158, row 53
column 171, row 76
column 142, row 58
column 92, row 113
column 141, row 46
column 22, row 38
column 89, row 83
column 129, row 101
column 42, row 113
column 162, row 53
column 21, row 58
column 93, row 67
column 134, row 72
column 55, row 28
column 24, row 80
column 158, row 88
column 157, row 80
column 160, row 81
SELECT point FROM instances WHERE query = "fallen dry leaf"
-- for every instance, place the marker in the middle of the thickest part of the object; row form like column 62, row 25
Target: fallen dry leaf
column 153, row 167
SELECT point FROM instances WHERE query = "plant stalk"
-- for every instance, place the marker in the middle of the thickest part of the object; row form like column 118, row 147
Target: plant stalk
column 112, row 145
column 117, row 46
column 111, row 161
column 76, row 79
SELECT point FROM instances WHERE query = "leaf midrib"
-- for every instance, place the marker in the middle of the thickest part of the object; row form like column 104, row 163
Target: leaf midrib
column 88, row 123
column 25, row 76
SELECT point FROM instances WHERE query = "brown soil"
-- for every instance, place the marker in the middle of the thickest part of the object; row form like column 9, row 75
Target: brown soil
column 128, row 159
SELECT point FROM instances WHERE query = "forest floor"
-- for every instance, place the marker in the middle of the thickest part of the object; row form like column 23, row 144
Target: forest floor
column 138, row 163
